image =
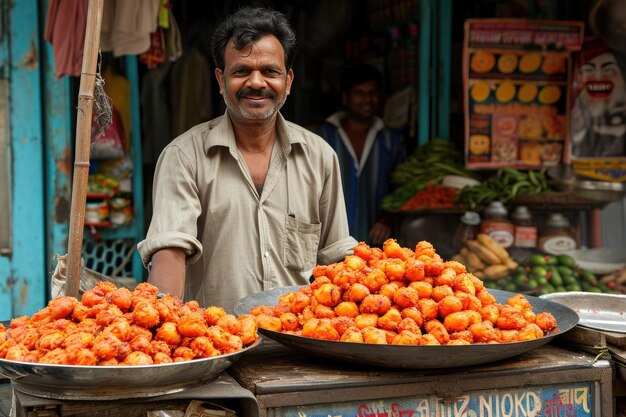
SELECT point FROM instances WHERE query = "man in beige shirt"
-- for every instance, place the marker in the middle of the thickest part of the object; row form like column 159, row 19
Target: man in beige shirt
column 248, row 201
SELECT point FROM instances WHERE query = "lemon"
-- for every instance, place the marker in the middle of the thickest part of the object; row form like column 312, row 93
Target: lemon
column 507, row 63
column 549, row 94
column 530, row 62
column 527, row 93
column 482, row 62
column 480, row 91
column 505, row 92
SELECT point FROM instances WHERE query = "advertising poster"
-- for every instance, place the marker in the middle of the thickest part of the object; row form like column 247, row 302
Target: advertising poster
column 598, row 128
column 566, row 400
column 516, row 79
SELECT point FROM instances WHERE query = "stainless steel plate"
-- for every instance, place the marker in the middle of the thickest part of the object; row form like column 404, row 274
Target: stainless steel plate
column 596, row 310
column 412, row 357
column 69, row 382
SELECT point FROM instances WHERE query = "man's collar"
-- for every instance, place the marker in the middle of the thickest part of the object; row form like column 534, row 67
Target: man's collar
column 221, row 133
column 335, row 120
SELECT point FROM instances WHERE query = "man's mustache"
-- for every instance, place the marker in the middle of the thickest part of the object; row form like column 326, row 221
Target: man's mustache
column 251, row 92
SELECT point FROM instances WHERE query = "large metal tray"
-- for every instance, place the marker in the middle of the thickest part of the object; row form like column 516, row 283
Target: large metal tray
column 412, row 357
column 70, row 382
column 596, row 310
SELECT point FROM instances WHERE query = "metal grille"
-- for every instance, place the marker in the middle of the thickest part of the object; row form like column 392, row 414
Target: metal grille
column 109, row 257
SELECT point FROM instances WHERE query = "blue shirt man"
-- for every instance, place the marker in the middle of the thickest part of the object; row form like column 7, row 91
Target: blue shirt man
column 367, row 150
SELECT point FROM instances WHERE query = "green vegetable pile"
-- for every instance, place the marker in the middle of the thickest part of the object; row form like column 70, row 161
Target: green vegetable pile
column 543, row 274
column 429, row 163
column 505, row 185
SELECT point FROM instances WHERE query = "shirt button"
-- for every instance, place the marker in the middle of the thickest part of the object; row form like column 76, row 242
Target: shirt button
column 266, row 254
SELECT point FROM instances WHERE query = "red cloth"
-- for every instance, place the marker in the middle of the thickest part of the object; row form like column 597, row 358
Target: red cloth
column 591, row 48
column 65, row 30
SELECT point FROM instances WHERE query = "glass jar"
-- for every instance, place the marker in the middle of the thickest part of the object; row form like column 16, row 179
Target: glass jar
column 96, row 211
column 497, row 225
column 468, row 228
column 525, row 228
column 558, row 236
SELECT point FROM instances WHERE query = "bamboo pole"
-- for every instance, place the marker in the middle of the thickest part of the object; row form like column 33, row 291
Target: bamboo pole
column 83, row 145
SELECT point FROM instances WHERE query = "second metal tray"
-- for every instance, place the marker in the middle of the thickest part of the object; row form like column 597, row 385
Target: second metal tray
column 596, row 310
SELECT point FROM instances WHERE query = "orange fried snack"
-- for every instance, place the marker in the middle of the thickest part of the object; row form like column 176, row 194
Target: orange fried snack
column 113, row 326
column 398, row 295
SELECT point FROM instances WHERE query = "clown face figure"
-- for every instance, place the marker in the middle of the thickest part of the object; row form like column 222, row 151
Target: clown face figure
column 599, row 111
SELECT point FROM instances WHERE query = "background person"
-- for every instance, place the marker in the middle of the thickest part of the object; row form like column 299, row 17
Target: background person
column 367, row 150
column 248, row 201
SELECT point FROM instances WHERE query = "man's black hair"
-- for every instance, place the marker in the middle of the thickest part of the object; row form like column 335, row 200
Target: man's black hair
column 248, row 25
column 359, row 73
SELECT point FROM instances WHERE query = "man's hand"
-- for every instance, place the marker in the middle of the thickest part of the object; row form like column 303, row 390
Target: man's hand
column 378, row 234
column 168, row 271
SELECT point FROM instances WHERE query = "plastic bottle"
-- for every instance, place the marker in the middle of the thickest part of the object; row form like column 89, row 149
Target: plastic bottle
column 497, row 225
column 525, row 229
column 468, row 228
column 558, row 236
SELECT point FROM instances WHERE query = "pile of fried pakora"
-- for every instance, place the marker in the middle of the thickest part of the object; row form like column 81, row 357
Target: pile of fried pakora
column 396, row 295
column 116, row 326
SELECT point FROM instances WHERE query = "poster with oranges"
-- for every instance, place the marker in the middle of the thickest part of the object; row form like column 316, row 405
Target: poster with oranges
column 516, row 78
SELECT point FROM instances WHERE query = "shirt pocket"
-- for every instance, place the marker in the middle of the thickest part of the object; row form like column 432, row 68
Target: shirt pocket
column 301, row 243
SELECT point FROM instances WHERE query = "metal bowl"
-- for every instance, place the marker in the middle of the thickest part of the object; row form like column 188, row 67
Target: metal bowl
column 412, row 357
column 603, row 191
column 597, row 311
column 70, row 382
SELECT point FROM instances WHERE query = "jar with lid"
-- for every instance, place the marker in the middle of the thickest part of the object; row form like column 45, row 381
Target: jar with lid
column 468, row 228
column 497, row 225
column 525, row 228
column 558, row 236
column 97, row 211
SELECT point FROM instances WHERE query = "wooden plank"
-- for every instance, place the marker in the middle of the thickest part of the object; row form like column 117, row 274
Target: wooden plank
column 617, row 339
column 618, row 354
column 26, row 280
column 57, row 131
column 584, row 336
column 5, row 397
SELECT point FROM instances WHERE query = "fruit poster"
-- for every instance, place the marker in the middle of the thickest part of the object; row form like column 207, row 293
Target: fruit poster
column 516, row 79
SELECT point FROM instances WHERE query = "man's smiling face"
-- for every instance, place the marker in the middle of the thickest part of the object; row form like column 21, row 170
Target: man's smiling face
column 255, row 82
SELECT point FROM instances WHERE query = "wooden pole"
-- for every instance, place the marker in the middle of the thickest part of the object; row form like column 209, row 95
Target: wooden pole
column 83, row 144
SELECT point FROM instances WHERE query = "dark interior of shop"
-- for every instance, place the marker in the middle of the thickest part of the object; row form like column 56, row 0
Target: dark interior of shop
column 334, row 34
column 330, row 36
column 442, row 319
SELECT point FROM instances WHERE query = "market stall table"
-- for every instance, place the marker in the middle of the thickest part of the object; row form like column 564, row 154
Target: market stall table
column 224, row 390
column 546, row 381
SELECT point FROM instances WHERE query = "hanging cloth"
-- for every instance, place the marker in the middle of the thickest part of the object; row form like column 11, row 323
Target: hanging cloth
column 190, row 92
column 155, row 113
column 165, row 42
column 173, row 39
column 117, row 88
column 127, row 25
column 66, row 21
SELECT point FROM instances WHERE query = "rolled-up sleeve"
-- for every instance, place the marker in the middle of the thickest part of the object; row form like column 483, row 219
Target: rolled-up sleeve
column 176, row 207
